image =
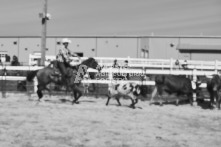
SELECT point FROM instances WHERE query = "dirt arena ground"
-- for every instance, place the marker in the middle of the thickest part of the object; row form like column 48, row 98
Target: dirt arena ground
column 57, row 123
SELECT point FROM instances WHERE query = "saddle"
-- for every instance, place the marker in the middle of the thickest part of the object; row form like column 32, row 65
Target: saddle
column 56, row 72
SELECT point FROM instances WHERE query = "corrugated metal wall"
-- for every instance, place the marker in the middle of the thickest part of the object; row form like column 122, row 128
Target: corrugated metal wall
column 117, row 47
column 156, row 47
column 163, row 48
column 203, row 54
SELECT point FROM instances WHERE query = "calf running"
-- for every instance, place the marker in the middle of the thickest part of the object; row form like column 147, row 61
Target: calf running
column 131, row 90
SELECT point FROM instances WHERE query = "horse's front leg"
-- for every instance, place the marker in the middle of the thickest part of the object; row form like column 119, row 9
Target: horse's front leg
column 77, row 94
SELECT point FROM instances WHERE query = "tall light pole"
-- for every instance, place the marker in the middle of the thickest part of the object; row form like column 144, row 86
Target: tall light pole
column 44, row 18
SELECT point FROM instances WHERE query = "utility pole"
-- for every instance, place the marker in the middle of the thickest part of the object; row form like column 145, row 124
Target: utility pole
column 44, row 32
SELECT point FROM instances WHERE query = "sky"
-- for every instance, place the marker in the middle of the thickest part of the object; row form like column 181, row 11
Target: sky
column 112, row 17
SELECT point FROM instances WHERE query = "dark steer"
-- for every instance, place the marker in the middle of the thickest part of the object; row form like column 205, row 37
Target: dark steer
column 173, row 84
column 213, row 87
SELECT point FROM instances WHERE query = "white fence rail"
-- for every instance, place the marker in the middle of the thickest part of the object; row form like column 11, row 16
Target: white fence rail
column 136, row 67
column 138, row 62
column 132, row 71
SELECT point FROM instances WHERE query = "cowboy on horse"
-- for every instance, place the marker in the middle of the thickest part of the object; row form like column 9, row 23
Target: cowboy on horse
column 63, row 59
column 61, row 72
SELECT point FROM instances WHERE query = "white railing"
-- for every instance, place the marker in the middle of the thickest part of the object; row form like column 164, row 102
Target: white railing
column 140, row 63
column 109, row 71
column 130, row 70
column 136, row 66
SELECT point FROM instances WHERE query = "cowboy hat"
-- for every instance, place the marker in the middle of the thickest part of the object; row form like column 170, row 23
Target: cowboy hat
column 65, row 40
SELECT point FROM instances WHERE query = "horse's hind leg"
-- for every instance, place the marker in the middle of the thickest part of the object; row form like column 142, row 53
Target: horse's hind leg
column 40, row 95
column 75, row 93
column 39, row 92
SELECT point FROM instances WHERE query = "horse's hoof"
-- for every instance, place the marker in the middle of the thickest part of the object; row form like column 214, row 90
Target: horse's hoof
column 74, row 102
column 131, row 106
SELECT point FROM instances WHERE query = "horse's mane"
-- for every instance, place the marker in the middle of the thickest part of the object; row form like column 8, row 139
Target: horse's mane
column 75, row 67
column 85, row 62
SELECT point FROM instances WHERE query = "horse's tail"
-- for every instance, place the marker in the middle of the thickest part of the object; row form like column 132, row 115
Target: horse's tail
column 30, row 76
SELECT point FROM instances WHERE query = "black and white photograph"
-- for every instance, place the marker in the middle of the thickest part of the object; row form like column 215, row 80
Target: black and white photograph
column 110, row 73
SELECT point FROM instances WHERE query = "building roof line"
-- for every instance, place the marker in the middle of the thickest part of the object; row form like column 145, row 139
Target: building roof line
column 114, row 36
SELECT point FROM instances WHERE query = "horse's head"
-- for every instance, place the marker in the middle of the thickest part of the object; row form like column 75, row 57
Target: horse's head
column 92, row 63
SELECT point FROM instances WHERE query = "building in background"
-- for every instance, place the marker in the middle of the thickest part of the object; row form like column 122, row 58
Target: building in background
column 153, row 47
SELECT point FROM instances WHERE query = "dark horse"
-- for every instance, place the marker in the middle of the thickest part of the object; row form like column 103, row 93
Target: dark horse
column 75, row 75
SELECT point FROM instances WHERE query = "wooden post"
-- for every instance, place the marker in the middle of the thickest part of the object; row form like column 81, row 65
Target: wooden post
column 44, row 32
